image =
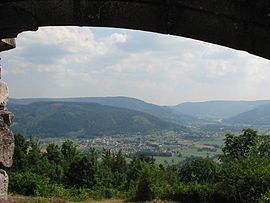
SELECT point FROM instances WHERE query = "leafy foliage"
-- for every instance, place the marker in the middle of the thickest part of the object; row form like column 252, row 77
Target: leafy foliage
column 241, row 146
column 242, row 175
column 199, row 171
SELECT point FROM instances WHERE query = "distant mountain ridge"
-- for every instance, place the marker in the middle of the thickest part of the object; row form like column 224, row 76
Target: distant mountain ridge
column 218, row 109
column 65, row 119
column 191, row 114
column 259, row 116
column 162, row 112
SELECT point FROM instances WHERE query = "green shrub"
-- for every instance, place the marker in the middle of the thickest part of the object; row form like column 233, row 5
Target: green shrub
column 265, row 197
column 79, row 195
column 248, row 177
column 148, row 183
column 199, row 171
column 28, row 184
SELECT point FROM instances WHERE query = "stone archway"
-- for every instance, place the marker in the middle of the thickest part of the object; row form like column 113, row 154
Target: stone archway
column 238, row 24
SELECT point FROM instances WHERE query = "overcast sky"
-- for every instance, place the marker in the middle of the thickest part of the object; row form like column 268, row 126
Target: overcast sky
column 161, row 69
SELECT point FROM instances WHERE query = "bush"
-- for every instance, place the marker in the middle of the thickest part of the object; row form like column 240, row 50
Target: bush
column 248, row 177
column 31, row 184
column 194, row 192
column 265, row 197
column 149, row 178
column 28, row 184
column 199, row 171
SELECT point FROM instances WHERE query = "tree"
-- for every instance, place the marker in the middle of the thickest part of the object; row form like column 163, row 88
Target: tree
column 54, row 154
column 247, row 178
column 199, row 171
column 69, row 150
column 116, row 168
column 246, row 166
column 152, row 183
column 20, row 153
column 36, row 161
column 240, row 146
column 264, row 146
column 82, row 172
column 55, row 159
column 119, row 169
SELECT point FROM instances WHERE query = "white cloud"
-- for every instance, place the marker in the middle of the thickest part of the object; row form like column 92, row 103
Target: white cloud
column 117, row 37
column 69, row 61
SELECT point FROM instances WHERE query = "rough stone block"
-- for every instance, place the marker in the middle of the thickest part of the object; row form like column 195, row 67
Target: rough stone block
column 6, row 44
column 6, row 139
column 3, row 184
column 4, row 94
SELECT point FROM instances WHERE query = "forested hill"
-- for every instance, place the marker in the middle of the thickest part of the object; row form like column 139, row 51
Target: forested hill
column 257, row 117
column 55, row 119
column 217, row 109
column 162, row 112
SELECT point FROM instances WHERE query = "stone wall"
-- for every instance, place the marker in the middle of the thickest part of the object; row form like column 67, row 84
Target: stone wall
column 3, row 185
column 6, row 140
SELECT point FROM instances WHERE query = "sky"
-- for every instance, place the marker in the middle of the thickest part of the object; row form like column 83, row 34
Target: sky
column 161, row 69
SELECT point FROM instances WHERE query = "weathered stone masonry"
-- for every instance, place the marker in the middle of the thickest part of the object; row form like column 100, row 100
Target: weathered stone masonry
column 6, row 139
column 238, row 24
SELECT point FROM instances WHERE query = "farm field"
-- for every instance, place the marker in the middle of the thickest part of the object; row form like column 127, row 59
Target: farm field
column 167, row 148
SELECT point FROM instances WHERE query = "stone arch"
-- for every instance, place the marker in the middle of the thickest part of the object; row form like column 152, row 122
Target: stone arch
column 238, row 24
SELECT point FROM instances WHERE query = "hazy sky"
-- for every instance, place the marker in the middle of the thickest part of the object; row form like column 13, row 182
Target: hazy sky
column 162, row 69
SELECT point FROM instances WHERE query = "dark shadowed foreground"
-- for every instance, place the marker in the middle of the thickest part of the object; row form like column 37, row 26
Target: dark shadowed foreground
column 238, row 24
